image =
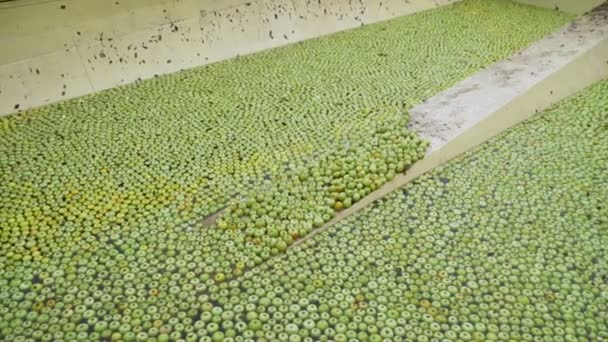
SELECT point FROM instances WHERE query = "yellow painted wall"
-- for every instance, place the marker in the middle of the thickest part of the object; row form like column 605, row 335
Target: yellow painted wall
column 52, row 50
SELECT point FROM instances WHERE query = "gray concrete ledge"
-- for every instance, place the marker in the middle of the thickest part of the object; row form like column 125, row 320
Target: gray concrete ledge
column 456, row 111
column 501, row 96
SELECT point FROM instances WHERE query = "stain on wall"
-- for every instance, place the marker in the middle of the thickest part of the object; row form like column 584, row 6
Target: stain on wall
column 59, row 49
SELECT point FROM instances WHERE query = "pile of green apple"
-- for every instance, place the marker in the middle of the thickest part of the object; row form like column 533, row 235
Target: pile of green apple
column 102, row 196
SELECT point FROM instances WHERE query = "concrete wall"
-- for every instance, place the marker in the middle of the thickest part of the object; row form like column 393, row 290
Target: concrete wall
column 570, row 6
column 53, row 50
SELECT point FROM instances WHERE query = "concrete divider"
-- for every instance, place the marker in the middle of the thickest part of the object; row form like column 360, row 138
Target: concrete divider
column 53, row 50
column 501, row 96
